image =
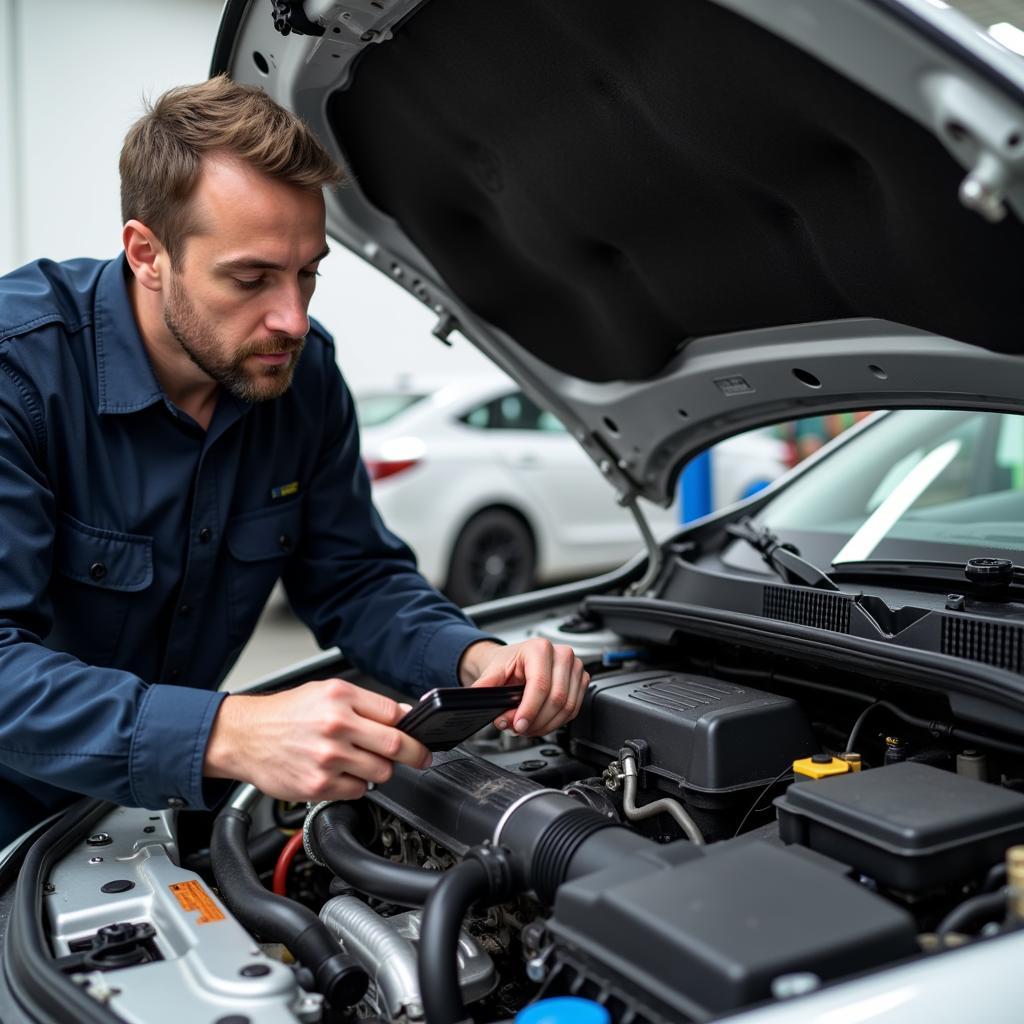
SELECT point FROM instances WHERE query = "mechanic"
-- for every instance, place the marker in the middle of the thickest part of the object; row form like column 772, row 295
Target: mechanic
column 174, row 437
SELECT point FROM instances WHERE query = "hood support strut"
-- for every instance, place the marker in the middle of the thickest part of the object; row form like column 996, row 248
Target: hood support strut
column 654, row 552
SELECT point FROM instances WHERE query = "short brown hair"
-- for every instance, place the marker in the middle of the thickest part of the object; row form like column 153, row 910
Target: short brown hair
column 162, row 153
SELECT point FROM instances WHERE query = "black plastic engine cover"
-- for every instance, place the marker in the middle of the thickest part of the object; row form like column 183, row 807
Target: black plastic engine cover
column 709, row 935
column 908, row 825
column 703, row 734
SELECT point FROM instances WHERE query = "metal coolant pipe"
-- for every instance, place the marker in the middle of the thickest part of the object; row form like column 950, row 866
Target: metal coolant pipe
column 389, row 958
column 386, row 947
column 672, row 807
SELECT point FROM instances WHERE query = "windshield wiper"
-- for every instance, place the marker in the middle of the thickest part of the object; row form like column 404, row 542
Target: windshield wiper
column 987, row 574
column 783, row 558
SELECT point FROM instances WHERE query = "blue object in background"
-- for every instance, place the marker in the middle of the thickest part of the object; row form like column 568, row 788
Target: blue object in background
column 564, row 1010
column 751, row 489
column 695, row 488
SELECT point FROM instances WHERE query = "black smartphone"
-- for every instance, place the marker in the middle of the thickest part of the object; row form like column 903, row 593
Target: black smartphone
column 445, row 717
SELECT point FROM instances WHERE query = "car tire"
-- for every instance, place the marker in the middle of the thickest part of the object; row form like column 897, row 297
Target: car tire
column 494, row 556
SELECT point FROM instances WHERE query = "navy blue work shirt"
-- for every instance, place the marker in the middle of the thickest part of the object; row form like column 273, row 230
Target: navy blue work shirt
column 137, row 549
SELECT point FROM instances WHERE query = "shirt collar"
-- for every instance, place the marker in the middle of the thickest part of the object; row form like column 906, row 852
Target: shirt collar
column 125, row 381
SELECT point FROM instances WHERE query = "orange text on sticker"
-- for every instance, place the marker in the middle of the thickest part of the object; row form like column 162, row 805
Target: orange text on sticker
column 192, row 896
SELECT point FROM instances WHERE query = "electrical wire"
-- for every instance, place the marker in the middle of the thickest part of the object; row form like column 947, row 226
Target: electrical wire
column 757, row 799
column 851, row 743
column 284, row 862
column 946, row 729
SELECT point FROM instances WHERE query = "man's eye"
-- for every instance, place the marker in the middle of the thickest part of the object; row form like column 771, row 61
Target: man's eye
column 248, row 285
column 309, row 275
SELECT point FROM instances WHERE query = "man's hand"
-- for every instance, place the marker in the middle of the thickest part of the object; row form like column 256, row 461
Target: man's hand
column 323, row 740
column 554, row 679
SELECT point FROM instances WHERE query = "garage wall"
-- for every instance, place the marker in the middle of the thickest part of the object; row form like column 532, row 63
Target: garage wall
column 72, row 78
column 10, row 228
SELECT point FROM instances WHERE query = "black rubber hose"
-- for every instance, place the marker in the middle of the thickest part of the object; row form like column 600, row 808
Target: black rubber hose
column 972, row 913
column 335, row 843
column 438, row 969
column 996, row 877
column 263, row 852
column 341, row 980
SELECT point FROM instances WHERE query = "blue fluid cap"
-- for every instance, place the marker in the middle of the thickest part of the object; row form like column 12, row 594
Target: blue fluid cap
column 564, row 1010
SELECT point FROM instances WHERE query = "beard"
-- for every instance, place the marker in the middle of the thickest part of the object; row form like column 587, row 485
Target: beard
column 201, row 343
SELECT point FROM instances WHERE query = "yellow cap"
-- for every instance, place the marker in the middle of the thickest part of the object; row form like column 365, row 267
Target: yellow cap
column 820, row 766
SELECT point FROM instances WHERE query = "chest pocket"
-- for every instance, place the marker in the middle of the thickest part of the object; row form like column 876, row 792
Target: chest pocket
column 259, row 543
column 96, row 572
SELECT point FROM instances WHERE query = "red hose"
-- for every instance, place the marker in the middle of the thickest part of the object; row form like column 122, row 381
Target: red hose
column 284, row 862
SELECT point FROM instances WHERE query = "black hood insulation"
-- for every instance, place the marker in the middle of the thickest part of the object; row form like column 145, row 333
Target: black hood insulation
column 604, row 182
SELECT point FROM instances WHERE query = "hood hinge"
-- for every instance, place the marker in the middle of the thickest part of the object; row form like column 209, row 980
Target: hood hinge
column 983, row 132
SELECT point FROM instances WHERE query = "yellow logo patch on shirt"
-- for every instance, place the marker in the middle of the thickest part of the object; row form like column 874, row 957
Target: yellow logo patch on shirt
column 285, row 490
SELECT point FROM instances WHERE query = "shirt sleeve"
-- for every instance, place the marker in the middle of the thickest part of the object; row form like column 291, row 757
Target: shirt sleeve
column 355, row 584
column 97, row 731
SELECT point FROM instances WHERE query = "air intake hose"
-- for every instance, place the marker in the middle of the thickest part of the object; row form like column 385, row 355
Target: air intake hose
column 461, row 802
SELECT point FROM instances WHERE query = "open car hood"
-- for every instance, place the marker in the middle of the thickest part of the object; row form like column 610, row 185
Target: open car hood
column 681, row 220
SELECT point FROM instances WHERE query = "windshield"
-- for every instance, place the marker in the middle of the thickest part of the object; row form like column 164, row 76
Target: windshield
column 916, row 484
column 1003, row 19
column 373, row 410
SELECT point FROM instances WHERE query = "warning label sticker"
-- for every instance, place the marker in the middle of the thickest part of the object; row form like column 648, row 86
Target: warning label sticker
column 192, row 896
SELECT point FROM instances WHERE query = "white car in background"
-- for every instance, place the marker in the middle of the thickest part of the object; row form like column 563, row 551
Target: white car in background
column 494, row 495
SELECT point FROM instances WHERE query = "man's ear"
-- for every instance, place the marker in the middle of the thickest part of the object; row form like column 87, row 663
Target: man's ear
column 146, row 256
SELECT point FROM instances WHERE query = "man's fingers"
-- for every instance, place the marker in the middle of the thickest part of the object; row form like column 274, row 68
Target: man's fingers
column 536, row 673
column 582, row 691
column 557, row 707
column 364, row 764
column 367, row 721
column 495, row 675
column 346, row 787
column 374, row 706
column 390, row 743
column 554, row 714
column 580, row 681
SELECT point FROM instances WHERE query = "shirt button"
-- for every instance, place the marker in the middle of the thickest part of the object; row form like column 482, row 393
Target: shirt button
column 205, row 534
column 185, row 610
column 97, row 570
column 176, row 802
column 285, row 541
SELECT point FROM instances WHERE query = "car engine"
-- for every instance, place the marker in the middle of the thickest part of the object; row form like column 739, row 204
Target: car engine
column 714, row 831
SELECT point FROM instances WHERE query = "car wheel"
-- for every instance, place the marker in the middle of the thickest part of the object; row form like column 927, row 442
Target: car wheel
column 493, row 557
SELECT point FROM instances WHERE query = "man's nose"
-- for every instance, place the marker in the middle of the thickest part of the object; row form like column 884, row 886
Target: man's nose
column 287, row 315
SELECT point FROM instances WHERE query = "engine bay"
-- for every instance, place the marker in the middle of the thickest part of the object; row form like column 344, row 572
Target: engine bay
column 720, row 828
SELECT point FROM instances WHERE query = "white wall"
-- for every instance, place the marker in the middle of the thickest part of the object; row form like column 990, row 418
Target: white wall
column 72, row 78
column 10, row 233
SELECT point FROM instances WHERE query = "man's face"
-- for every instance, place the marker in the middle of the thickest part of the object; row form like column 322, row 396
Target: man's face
column 237, row 302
